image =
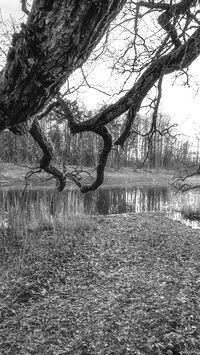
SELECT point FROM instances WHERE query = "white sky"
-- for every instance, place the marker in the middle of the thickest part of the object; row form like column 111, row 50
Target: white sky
column 11, row 7
column 181, row 103
column 178, row 101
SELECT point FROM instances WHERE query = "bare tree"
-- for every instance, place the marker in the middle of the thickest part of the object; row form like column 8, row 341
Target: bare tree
column 60, row 36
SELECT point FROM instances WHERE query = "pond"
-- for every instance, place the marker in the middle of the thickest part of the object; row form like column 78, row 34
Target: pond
column 103, row 201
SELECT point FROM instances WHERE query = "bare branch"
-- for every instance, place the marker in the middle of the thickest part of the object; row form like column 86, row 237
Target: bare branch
column 24, row 7
column 107, row 138
column 91, row 86
column 175, row 60
column 47, row 110
column 47, row 149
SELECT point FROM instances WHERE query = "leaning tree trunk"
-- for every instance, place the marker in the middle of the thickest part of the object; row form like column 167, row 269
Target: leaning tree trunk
column 58, row 38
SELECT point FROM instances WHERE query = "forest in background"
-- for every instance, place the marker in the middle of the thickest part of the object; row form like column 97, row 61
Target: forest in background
column 45, row 64
column 166, row 149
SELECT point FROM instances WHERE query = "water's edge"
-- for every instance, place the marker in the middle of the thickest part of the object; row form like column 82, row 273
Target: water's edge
column 114, row 200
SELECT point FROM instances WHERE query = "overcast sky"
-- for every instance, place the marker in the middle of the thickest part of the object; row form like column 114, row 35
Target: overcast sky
column 177, row 101
column 11, row 7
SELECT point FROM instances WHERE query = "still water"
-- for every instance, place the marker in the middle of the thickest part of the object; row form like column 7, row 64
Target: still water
column 103, row 201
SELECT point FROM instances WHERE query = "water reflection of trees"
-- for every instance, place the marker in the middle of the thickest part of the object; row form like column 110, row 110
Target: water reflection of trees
column 122, row 200
column 102, row 201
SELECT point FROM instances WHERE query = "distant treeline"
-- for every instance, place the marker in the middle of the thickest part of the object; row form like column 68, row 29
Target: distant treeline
column 158, row 146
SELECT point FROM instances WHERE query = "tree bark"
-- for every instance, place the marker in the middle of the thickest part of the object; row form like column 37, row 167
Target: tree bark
column 58, row 37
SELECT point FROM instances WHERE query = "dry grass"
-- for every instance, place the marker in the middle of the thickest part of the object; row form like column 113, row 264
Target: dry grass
column 118, row 285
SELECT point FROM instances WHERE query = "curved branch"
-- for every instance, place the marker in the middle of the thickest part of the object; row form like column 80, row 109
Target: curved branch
column 107, row 138
column 167, row 64
column 47, row 149
column 47, row 110
column 131, row 115
column 75, row 127
column 164, row 22
column 170, row 11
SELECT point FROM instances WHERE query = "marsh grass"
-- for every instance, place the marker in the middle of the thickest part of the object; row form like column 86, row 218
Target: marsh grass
column 33, row 249
column 23, row 227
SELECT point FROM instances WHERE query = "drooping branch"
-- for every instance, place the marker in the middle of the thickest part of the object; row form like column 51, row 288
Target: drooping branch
column 166, row 64
column 47, row 149
column 107, row 139
column 129, row 122
column 75, row 128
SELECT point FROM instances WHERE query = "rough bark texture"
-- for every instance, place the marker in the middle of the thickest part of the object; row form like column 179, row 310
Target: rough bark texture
column 58, row 37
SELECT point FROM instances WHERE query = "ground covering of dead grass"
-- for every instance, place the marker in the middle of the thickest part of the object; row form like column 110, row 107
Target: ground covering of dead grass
column 120, row 284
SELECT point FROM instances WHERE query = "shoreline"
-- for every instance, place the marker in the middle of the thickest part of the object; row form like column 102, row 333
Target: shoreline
column 12, row 176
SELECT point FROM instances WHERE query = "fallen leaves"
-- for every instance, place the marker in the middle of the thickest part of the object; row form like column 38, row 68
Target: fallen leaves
column 128, row 285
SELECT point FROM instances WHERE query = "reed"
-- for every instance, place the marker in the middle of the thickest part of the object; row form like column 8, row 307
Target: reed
column 23, row 229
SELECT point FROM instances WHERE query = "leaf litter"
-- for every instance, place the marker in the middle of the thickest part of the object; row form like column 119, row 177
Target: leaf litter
column 126, row 284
